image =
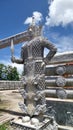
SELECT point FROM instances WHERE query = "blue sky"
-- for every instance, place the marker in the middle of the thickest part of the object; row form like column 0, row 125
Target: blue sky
column 57, row 19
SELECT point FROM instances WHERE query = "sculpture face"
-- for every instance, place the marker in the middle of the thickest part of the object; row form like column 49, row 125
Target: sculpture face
column 35, row 30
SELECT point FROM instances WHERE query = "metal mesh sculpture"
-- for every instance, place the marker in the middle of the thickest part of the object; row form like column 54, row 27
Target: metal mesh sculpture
column 32, row 56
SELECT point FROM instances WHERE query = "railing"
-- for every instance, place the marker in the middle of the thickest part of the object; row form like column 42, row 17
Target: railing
column 10, row 85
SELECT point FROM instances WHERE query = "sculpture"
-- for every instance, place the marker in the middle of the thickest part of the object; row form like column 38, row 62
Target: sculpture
column 32, row 56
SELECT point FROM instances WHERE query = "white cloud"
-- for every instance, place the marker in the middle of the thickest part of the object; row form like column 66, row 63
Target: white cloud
column 65, row 43
column 18, row 66
column 28, row 20
column 60, row 13
column 62, row 42
column 37, row 15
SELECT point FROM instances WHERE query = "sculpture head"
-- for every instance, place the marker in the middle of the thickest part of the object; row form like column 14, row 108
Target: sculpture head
column 36, row 30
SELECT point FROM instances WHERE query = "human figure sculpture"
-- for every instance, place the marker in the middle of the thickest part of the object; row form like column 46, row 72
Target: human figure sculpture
column 32, row 56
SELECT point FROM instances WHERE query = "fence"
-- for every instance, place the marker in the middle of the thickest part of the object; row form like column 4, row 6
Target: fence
column 10, row 85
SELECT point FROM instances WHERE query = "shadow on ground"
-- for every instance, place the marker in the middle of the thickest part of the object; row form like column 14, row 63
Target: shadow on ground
column 12, row 112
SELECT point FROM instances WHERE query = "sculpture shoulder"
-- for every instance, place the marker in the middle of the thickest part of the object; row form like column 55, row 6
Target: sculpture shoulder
column 24, row 46
column 43, row 39
column 38, row 39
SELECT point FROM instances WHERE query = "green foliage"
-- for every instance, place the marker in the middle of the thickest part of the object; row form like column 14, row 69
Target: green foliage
column 12, row 73
column 3, row 70
column 8, row 72
column 4, row 126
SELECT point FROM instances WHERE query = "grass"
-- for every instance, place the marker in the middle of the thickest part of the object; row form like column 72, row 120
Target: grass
column 5, row 126
column 4, row 105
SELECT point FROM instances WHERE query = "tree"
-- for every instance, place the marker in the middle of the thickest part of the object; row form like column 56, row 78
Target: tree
column 3, row 72
column 8, row 72
column 12, row 73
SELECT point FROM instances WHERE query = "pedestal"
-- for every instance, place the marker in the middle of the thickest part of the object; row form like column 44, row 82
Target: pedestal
column 26, row 123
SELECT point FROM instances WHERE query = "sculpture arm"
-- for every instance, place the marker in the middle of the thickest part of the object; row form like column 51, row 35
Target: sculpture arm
column 18, row 61
column 51, row 47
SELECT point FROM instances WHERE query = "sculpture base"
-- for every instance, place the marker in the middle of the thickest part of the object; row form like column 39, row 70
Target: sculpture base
column 34, row 124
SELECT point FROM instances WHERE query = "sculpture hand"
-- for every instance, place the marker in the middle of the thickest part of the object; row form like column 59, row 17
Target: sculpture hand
column 45, row 61
column 13, row 59
column 43, row 64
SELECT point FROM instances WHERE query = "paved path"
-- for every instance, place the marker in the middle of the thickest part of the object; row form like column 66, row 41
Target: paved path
column 5, row 118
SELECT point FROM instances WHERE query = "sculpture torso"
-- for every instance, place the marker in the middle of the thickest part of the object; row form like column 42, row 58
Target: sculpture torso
column 32, row 56
column 33, row 50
